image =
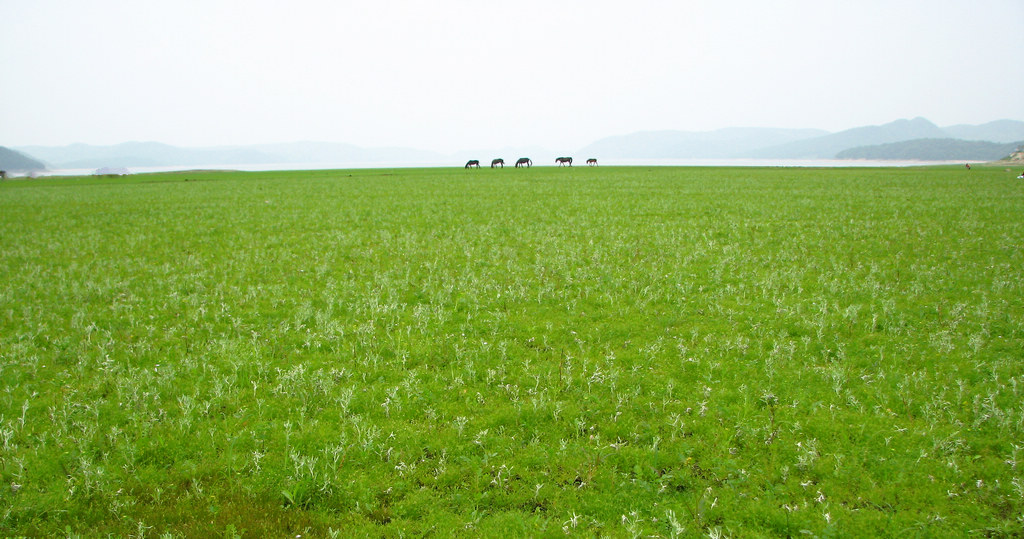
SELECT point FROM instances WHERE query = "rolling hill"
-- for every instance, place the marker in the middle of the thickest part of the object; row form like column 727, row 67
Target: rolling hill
column 943, row 149
column 13, row 161
column 721, row 143
column 916, row 138
column 758, row 143
column 828, row 146
column 154, row 154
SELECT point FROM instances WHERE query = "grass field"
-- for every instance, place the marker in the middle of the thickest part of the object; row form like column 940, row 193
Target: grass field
column 590, row 351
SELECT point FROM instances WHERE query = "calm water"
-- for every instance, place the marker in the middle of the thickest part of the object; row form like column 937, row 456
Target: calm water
column 609, row 162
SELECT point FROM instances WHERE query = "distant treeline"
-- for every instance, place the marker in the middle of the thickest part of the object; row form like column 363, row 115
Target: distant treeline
column 930, row 149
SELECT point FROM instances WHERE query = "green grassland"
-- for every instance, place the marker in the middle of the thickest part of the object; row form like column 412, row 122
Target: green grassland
column 743, row 352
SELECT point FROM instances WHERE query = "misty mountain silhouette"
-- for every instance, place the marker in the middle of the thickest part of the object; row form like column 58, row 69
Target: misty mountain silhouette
column 729, row 143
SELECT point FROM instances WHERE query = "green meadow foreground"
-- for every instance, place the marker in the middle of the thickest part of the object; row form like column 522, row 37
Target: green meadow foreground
column 587, row 351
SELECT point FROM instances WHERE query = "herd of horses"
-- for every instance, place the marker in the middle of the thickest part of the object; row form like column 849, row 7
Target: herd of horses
column 526, row 162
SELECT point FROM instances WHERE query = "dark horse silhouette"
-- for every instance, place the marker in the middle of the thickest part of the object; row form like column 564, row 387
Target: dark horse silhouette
column 562, row 161
column 524, row 162
column 592, row 162
column 497, row 162
column 473, row 163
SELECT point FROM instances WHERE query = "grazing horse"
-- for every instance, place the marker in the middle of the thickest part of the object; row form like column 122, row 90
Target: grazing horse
column 473, row 163
column 524, row 162
column 592, row 162
column 3, row 174
column 562, row 161
column 497, row 162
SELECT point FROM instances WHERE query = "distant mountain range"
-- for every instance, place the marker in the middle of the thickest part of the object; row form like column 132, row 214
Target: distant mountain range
column 723, row 143
column 738, row 143
column 932, row 149
column 917, row 139
column 154, row 154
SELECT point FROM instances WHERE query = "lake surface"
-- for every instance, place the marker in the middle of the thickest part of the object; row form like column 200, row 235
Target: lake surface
column 828, row 163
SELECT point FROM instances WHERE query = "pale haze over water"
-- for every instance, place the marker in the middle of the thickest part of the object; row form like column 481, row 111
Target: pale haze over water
column 451, row 75
column 810, row 163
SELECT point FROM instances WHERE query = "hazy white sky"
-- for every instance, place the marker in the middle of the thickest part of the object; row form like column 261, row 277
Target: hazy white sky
column 449, row 74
